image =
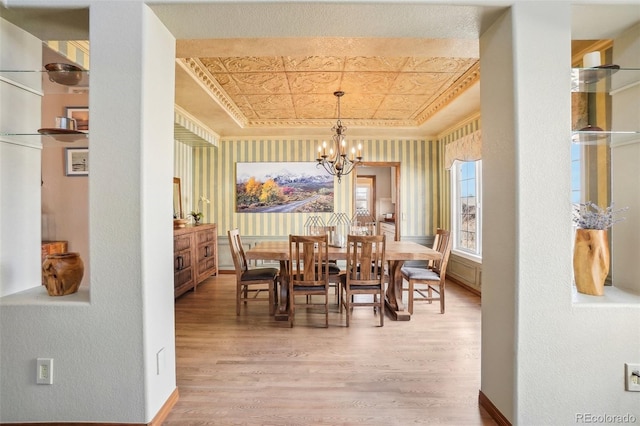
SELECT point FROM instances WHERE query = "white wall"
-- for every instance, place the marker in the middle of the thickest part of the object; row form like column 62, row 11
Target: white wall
column 20, row 96
column 499, row 232
column 531, row 356
column 105, row 342
column 158, row 68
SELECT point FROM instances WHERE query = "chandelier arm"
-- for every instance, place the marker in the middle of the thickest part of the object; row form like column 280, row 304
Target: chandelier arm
column 349, row 168
column 328, row 169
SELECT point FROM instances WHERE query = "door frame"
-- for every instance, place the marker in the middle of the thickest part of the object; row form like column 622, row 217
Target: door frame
column 396, row 187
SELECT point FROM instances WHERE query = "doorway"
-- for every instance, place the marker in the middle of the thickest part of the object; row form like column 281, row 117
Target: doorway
column 377, row 186
column 365, row 201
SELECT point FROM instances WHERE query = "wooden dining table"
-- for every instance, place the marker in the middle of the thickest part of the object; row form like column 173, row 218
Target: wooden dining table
column 397, row 252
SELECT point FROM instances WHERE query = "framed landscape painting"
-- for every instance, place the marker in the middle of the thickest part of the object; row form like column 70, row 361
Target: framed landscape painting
column 77, row 161
column 81, row 115
column 283, row 187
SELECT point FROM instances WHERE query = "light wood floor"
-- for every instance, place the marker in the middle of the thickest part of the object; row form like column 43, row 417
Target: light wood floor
column 253, row 370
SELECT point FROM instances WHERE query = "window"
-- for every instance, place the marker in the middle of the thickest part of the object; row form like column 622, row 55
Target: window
column 466, row 207
column 576, row 173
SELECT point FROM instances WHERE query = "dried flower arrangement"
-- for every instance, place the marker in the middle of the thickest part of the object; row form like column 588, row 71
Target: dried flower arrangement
column 589, row 215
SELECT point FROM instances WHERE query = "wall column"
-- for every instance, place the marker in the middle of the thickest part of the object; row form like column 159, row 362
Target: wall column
column 525, row 62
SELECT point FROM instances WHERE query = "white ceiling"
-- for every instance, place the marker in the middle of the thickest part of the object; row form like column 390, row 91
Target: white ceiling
column 380, row 31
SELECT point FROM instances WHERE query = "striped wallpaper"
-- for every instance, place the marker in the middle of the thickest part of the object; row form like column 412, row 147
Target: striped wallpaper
column 75, row 51
column 424, row 184
column 182, row 166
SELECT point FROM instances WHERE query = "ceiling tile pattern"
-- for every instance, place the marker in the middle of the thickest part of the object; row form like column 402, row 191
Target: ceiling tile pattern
column 298, row 90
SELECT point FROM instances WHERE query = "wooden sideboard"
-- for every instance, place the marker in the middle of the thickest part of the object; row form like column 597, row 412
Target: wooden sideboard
column 195, row 256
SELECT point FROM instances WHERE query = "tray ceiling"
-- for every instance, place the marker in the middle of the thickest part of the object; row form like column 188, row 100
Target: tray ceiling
column 286, row 86
column 285, row 90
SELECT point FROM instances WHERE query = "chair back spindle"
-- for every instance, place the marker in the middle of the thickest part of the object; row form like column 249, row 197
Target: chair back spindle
column 365, row 274
column 308, row 272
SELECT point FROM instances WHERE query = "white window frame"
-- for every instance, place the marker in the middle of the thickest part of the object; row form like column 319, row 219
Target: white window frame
column 455, row 217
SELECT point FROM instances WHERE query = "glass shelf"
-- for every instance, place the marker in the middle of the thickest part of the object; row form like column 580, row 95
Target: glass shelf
column 59, row 82
column 602, row 79
column 32, row 80
column 604, row 137
column 61, row 135
column 54, row 74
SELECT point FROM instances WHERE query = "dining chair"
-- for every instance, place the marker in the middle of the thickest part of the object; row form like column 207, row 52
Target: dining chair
column 364, row 274
column 251, row 282
column 308, row 273
column 334, row 269
column 431, row 279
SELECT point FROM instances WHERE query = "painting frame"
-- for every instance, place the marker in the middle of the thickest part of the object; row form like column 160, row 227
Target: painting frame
column 283, row 187
column 81, row 115
column 76, row 161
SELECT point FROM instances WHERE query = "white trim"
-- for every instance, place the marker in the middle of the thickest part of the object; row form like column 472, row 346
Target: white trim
column 26, row 142
column 466, row 255
column 623, row 88
column 21, row 86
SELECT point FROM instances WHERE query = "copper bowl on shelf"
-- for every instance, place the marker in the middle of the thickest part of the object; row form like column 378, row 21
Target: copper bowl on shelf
column 66, row 74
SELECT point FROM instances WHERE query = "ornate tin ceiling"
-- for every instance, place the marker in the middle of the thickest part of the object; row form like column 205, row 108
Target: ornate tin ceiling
column 294, row 91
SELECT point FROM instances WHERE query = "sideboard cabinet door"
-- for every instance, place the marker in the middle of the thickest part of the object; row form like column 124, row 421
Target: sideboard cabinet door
column 207, row 252
column 195, row 256
column 183, row 276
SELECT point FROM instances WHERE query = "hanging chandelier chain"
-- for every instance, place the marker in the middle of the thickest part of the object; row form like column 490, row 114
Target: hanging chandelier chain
column 339, row 94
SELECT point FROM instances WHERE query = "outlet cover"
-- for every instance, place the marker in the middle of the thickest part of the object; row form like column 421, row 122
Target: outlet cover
column 44, row 371
column 632, row 377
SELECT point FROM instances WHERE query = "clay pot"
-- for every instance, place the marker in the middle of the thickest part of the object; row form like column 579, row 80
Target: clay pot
column 62, row 273
column 591, row 261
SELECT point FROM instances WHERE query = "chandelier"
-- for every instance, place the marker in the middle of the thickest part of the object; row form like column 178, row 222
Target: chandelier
column 337, row 162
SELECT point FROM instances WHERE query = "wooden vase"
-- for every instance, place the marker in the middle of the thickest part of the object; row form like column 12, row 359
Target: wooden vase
column 591, row 260
column 62, row 273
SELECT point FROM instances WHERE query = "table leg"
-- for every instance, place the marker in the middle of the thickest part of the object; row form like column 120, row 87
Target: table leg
column 282, row 313
column 393, row 300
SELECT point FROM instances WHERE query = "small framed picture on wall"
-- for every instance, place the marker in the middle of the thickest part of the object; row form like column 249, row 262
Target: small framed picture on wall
column 76, row 161
column 81, row 115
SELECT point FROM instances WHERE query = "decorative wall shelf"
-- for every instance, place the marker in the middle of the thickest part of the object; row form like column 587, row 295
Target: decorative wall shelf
column 606, row 79
column 603, row 79
column 32, row 77
column 604, row 137
column 61, row 135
